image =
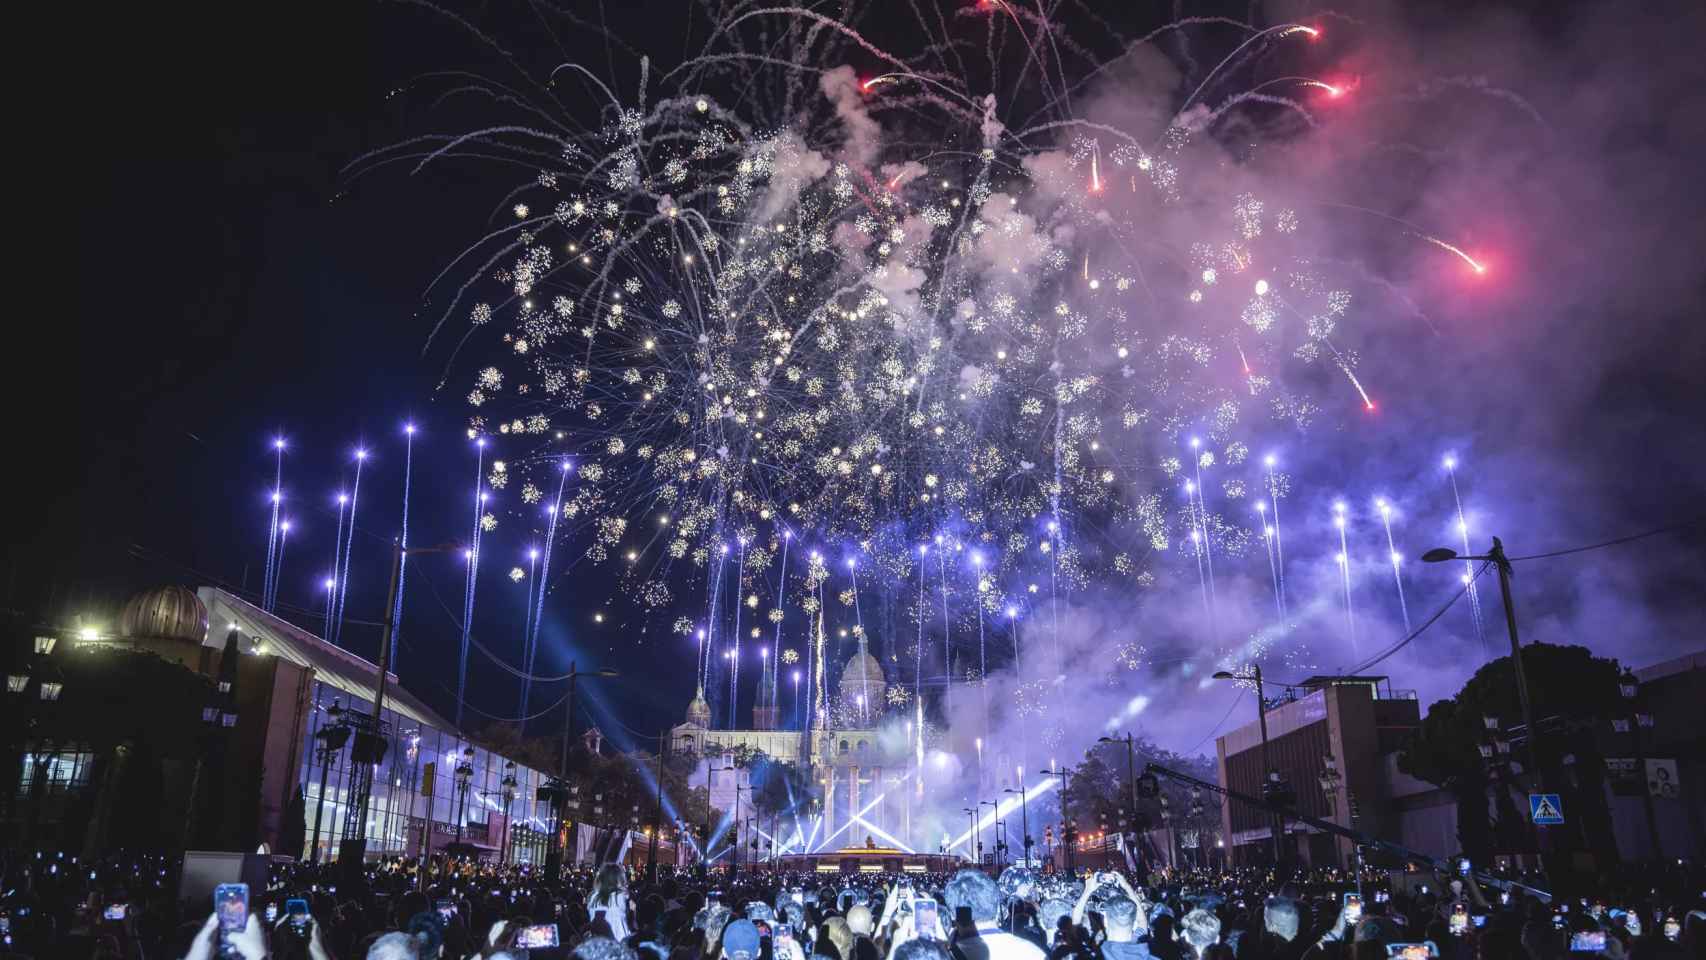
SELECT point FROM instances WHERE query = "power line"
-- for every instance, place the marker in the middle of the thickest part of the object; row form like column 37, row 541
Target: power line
column 1612, row 543
column 1401, row 644
column 1236, row 701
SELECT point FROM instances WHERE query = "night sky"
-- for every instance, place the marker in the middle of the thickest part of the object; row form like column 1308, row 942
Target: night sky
column 229, row 285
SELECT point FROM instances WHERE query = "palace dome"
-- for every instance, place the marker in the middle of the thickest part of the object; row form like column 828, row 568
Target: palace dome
column 863, row 677
column 699, row 712
column 167, row 613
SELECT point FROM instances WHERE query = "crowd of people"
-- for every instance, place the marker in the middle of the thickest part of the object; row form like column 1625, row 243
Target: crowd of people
column 128, row 909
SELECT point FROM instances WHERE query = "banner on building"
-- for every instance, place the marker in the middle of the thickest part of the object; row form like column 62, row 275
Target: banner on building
column 1661, row 779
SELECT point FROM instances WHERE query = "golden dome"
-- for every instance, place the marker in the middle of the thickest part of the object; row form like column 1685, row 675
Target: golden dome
column 166, row 613
column 699, row 712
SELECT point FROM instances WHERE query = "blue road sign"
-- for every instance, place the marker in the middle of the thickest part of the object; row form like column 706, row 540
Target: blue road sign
column 1545, row 809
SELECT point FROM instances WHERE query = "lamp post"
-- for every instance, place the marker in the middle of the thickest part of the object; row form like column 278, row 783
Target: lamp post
column 1635, row 718
column 1024, row 819
column 1330, row 780
column 993, row 810
column 1130, row 772
column 1274, row 787
column 657, row 815
column 734, row 864
column 1496, row 557
column 331, row 736
column 1068, row 835
column 971, row 835
column 557, row 788
column 464, row 778
column 508, row 785
column 710, row 777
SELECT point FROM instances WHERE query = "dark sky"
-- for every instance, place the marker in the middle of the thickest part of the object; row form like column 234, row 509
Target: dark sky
column 224, row 282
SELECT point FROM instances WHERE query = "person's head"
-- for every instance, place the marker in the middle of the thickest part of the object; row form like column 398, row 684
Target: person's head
column 1119, row 917
column 859, row 919
column 1279, row 917
column 1049, row 914
column 920, row 949
column 603, row 948
column 395, row 946
column 975, row 892
column 740, row 941
column 840, row 936
column 610, row 880
column 1200, row 929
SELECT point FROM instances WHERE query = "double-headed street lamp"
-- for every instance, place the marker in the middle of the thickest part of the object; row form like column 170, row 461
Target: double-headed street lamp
column 1068, row 835
column 1024, row 819
column 1275, row 789
column 556, row 790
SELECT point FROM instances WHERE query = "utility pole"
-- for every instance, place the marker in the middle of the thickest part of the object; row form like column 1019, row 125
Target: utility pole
column 1068, row 835
column 657, row 816
column 558, row 790
column 1024, row 819
column 369, row 749
column 1271, row 783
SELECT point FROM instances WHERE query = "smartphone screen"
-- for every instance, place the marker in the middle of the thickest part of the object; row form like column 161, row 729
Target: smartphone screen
column 1672, row 929
column 538, row 936
column 1463, row 866
column 924, row 917
column 231, row 905
column 1478, row 919
column 272, row 912
column 114, row 911
column 1353, row 907
column 446, row 909
column 296, row 911
column 1587, row 941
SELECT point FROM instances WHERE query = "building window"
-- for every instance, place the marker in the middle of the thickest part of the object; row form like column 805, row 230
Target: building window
column 60, row 772
column 844, row 747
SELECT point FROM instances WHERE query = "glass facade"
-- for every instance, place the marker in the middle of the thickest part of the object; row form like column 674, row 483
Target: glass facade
column 415, row 786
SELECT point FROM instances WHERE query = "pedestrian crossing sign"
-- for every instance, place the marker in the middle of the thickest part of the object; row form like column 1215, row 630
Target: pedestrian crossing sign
column 1545, row 809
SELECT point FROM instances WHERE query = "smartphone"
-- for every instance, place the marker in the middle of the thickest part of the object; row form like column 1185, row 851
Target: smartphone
column 272, row 913
column 296, row 912
column 231, row 905
column 925, row 919
column 538, row 936
column 1587, row 941
column 1672, row 929
column 1458, row 924
column 1504, row 898
column 1424, row 889
column 1353, row 907
column 1412, row 951
column 5, row 926
column 1478, row 919
column 114, row 911
column 1463, row 866
column 1381, row 896
column 446, row 909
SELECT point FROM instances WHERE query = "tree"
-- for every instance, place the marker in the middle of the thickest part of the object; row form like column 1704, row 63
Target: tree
column 1570, row 690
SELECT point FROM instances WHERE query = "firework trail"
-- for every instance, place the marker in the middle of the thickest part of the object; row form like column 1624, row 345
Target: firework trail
column 538, row 616
column 734, row 659
column 472, row 555
column 1202, row 516
column 781, row 599
column 349, row 547
column 1468, row 568
column 1345, row 573
column 1279, row 541
column 278, row 564
column 1268, row 548
column 527, row 634
column 403, row 545
column 337, row 557
column 270, row 575
column 1392, row 550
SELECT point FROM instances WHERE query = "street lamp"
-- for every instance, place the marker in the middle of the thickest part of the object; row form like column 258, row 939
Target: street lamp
column 556, row 789
column 464, row 777
column 1068, row 835
column 508, row 784
column 1496, row 557
column 1274, row 788
column 1024, row 819
column 332, row 736
column 1636, row 718
column 994, row 810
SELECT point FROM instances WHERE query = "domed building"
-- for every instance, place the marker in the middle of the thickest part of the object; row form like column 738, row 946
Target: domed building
column 166, row 613
column 834, row 718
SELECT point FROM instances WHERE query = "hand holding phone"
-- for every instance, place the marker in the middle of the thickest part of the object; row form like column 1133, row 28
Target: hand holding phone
column 537, row 937
column 1587, row 941
column 114, row 911
column 1353, row 907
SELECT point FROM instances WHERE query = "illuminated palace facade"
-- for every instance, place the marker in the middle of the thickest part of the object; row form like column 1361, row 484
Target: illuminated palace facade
column 857, row 764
